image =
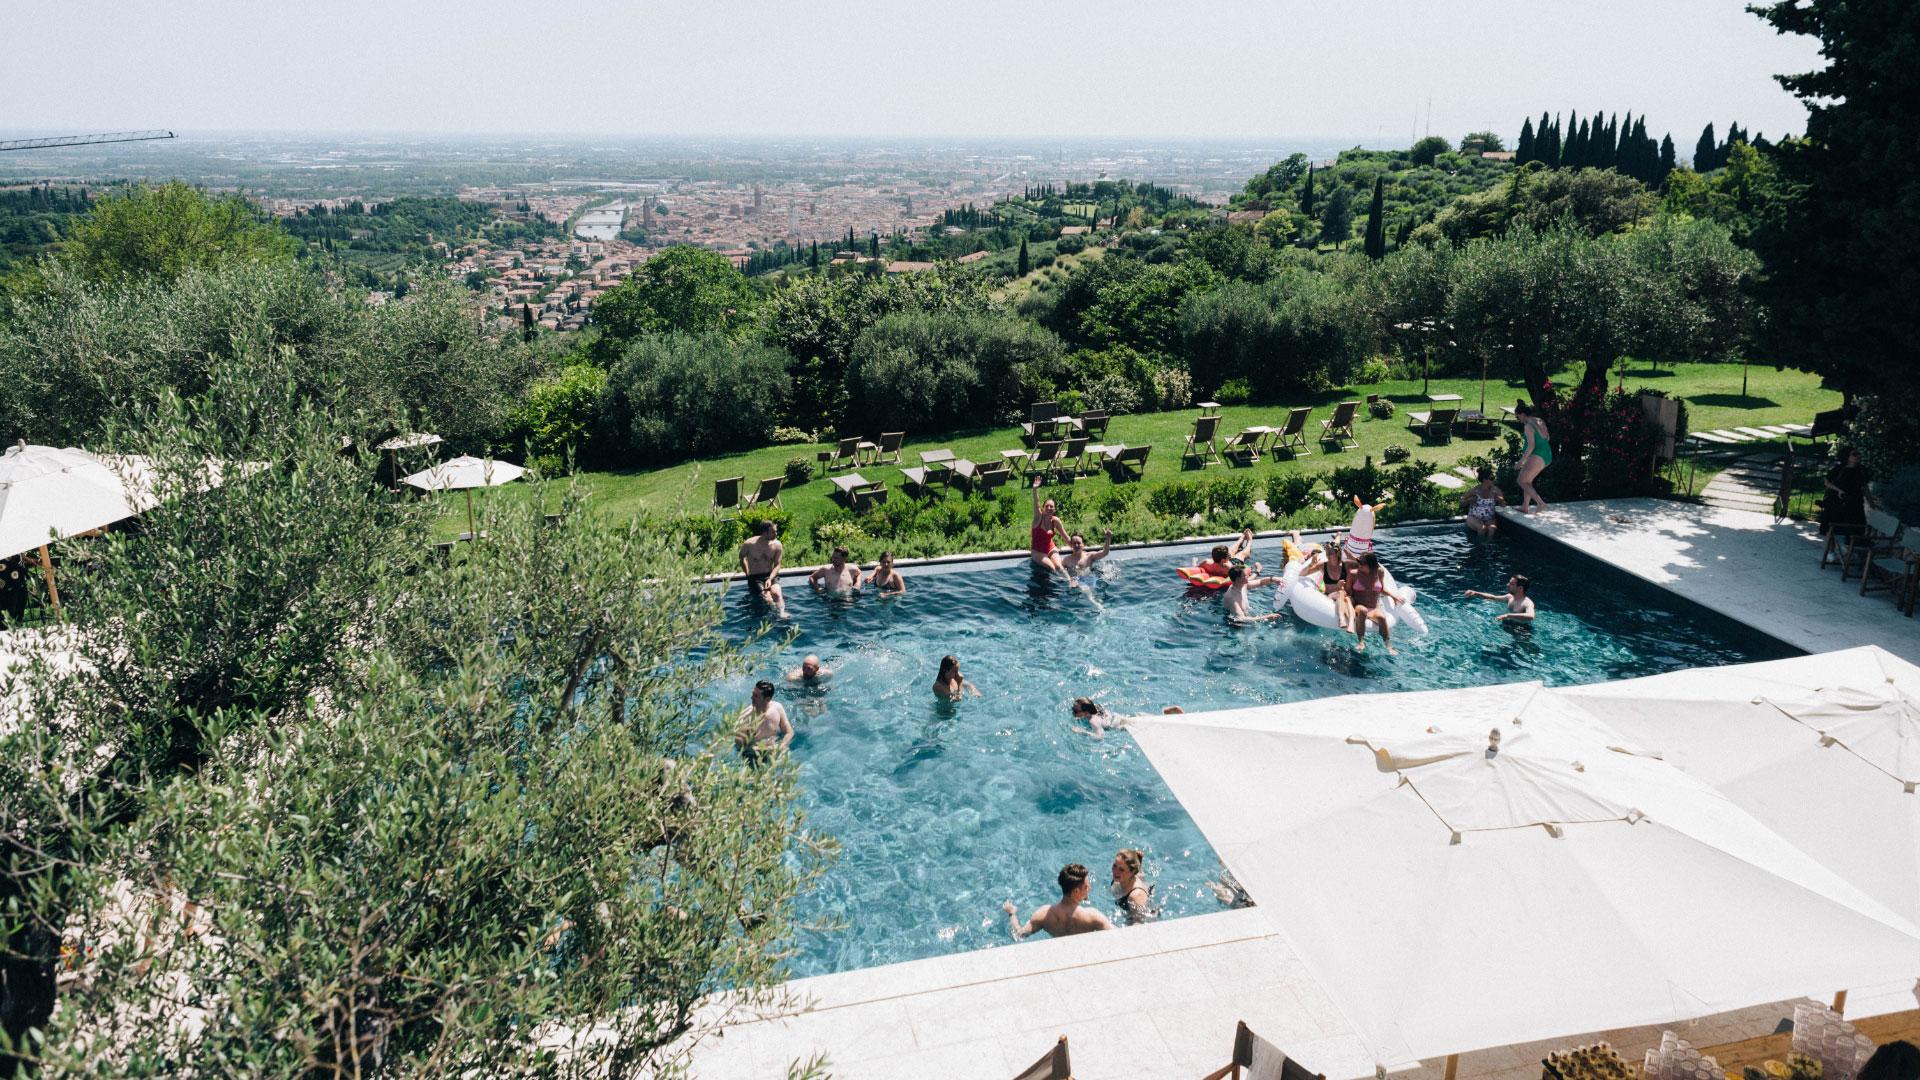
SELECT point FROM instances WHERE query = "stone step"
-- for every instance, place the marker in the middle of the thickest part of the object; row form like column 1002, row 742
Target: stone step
column 1471, row 474
column 1708, row 436
column 1739, row 501
column 1777, row 429
column 1731, row 436
column 1757, row 433
column 1446, row 480
column 1798, row 429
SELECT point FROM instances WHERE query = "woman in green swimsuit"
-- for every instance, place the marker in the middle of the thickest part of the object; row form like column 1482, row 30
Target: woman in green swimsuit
column 1535, row 456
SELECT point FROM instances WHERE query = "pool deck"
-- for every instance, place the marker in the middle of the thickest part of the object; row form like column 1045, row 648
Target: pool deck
column 1741, row 564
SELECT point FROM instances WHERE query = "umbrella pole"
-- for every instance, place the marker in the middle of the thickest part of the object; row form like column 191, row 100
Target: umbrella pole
column 1453, row 1066
column 53, row 592
column 1840, row 1003
column 472, row 533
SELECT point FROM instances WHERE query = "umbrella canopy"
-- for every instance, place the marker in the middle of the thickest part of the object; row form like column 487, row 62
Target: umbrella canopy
column 1824, row 750
column 1452, row 892
column 50, row 493
column 465, row 474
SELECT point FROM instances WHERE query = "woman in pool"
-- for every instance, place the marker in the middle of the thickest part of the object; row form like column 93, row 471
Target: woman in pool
column 1046, row 526
column 890, row 581
column 1481, row 500
column 1097, row 719
column 1535, row 455
column 1130, row 889
column 950, row 684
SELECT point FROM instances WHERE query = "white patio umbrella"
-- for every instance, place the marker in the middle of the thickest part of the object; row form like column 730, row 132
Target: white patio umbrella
column 1450, row 897
column 465, row 474
column 49, row 493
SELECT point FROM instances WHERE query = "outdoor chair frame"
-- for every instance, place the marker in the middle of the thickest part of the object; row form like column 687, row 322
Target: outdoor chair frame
column 1338, row 428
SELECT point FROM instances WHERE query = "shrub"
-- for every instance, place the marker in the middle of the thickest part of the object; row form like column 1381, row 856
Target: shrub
column 556, row 416
column 1380, row 409
column 1234, row 392
column 1071, row 402
column 1114, row 502
column 1111, row 391
column 675, row 396
column 1374, row 369
column 790, row 436
column 799, row 471
column 1289, row 492
column 1172, row 389
column 1414, row 496
column 752, row 516
column 1363, row 480
column 1476, row 462
column 1899, row 493
column 1395, row 453
column 1177, row 499
column 837, row 532
column 914, row 371
column 1229, row 493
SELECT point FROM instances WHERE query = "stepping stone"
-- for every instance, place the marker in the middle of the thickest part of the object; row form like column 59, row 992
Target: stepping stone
column 1732, row 436
column 1798, row 429
column 1466, row 472
column 1446, row 480
column 1708, row 436
column 1777, row 429
column 1757, row 433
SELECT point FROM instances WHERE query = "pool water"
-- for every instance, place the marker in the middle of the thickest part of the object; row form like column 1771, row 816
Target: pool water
column 945, row 810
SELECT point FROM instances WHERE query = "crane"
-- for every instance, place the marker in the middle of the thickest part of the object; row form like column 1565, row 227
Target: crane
column 84, row 140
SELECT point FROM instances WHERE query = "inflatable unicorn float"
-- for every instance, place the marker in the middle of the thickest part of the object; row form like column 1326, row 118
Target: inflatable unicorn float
column 1306, row 593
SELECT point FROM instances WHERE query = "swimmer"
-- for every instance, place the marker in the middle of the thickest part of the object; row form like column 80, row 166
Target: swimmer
column 950, row 684
column 1228, row 890
column 1078, row 558
column 1046, row 526
column 1224, row 558
column 810, row 672
column 1240, row 580
column 1098, row 719
column 764, row 726
column 1519, row 605
column 760, row 564
column 837, row 576
column 1067, row 916
column 1481, row 501
column 1367, row 582
column 1130, row 889
column 889, row 581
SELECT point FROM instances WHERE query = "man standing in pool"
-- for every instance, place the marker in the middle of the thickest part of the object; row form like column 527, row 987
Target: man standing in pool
column 760, row 557
column 838, row 576
column 810, row 672
column 1239, row 581
column 1065, row 917
column 1078, row 559
column 763, row 726
column 1519, row 604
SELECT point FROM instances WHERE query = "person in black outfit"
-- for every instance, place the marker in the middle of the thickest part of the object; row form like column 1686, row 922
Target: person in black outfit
column 1844, row 507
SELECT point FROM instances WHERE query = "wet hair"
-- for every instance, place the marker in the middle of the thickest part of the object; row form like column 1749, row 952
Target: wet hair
column 1897, row 1060
column 1485, row 474
column 1077, row 538
column 1085, row 705
column 886, row 556
column 949, row 666
column 840, row 553
column 1520, row 580
column 1334, row 550
column 1521, row 408
column 1237, row 574
column 766, row 527
column 1221, row 553
column 763, row 687
column 1072, row 876
column 1131, row 858
column 1369, row 560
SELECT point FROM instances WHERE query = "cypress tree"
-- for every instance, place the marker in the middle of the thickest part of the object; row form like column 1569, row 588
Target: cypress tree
column 1546, row 143
column 1025, row 264
column 1306, row 194
column 1703, row 150
column 1376, row 221
column 1667, row 161
column 526, row 322
column 1574, row 154
column 1523, row 152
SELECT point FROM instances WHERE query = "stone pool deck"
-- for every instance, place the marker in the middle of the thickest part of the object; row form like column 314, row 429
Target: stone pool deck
column 1741, row 564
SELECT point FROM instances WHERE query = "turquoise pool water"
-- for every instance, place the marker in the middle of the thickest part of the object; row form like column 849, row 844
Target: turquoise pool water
column 946, row 810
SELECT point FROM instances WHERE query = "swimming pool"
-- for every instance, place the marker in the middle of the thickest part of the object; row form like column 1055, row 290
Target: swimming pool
column 944, row 811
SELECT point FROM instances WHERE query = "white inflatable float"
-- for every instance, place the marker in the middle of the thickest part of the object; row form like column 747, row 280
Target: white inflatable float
column 1308, row 598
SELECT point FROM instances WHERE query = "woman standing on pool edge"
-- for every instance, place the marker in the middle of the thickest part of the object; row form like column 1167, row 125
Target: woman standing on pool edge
column 1046, row 525
column 1535, row 455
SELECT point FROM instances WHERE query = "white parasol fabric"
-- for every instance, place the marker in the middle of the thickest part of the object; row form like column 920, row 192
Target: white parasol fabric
column 51, row 493
column 465, row 474
column 1450, row 899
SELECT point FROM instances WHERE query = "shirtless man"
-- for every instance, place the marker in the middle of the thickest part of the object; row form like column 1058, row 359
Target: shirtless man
column 1241, row 580
column 1065, row 917
column 760, row 559
column 763, row 725
column 1078, row 558
column 1519, row 604
column 810, row 672
column 838, row 575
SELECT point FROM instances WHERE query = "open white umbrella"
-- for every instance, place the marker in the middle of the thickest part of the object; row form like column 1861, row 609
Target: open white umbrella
column 1451, row 895
column 49, row 493
column 465, row 474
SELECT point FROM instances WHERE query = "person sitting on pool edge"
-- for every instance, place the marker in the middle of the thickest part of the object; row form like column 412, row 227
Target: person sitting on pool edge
column 810, row 672
column 1078, row 558
column 1519, row 605
column 1130, row 888
column 890, row 581
column 1481, row 501
column 760, row 564
column 1046, row 526
column 1067, row 916
column 764, row 726
column 949, row 683
column 1239, row 581
column 836, row 576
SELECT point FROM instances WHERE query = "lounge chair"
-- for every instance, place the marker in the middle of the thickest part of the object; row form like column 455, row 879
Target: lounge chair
column 1041, row 459
column 769, row 492
column 1200, row 445
column 1292, row 436
column 1896, row 572
column 1261, row 1060
column 1881, row 537
column 1040, row 422
column 867, row 496
column 1825, row 425
column 1437, row 424
column 1130, row 463
column 846, row 485
column 983, row 480
column 1338, row 429
column 1067, row 462
column 1092, row 423
column 915, row 482
column 1053, row 1065
column 846, row 453
column 1244, row 448
column 726, row 493
column 889, row 448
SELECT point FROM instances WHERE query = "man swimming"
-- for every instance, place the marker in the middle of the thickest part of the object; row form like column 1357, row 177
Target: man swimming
column 810, row 672
column 1239, row 581
column 837, row 576
column 1097, row 718
column 1078, row 558
column 1520, row 609
column 760, row 557
column 1065, row 917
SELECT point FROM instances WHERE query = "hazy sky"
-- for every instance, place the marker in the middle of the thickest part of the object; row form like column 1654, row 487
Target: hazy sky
column 1255, row 68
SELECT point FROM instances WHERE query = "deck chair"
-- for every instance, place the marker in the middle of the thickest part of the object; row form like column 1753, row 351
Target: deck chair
column 1067, row 462
column 1292, row 437
column 1254, row 1058
column 1825, row 425
column 1130, row 463
column 1053, row 1065
column 915, row 481
column 889, row 449
column 1093, row 423
column 1338, row 428
column 1200, row 445
column 846, row 453
column 867, row 497
column 1243, row 448
column 1041, row 459
column 985, row 479
column 1437, row 424
column 1881, row 537
column 1897, row 572
column 726, row 493
column 768, row 493
column 1039, row 423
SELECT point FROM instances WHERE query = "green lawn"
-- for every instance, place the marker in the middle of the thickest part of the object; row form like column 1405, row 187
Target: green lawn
column 1712, row 392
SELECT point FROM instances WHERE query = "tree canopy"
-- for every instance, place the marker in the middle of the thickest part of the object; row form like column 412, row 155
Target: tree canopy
column 160, row 233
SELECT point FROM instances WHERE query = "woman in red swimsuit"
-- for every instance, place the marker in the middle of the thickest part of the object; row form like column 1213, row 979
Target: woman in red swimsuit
column 1046, row 524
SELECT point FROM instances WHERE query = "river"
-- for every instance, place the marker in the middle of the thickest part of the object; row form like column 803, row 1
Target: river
column 601, row 223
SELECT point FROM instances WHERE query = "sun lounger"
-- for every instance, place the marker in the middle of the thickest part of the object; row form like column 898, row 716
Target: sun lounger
column 769, row 492
column 1437, row 424
column 1881, row 537
column 889, row 448
column 1053, row 1065
column 1129, row 462
column 726, row 493
column 1825, row 425
column 867, row 497
column 1254, row 1058
column 983, row 479
column 846, row 485
column 914, row 481
column 1292, row 436
column 846, row 453
column 1244, row 447
column 1044, row 453
column 1895, row 571
column 1200, row 445
column 1092, row 423
column 1067, row 463
column 1338, row 428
